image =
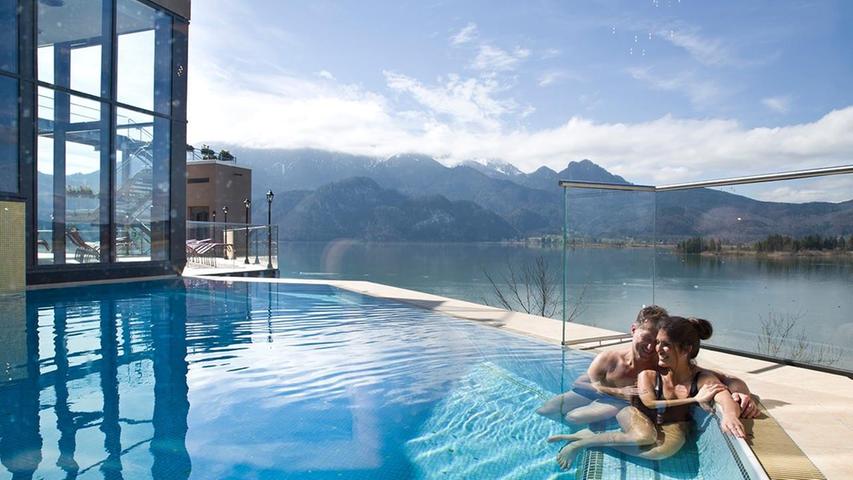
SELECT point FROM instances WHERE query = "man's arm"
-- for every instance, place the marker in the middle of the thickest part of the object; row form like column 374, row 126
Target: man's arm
column 740, row 393
column 731, row 410
column 597, row 376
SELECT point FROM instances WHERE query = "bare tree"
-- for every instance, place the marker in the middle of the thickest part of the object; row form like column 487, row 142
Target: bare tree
column 531, row 288
column 780, row 337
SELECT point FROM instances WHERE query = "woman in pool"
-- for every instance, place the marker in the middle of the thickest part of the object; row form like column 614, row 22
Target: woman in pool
column 655, row 426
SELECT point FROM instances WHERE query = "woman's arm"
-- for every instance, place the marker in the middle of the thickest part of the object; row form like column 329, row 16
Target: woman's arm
column 645, row 383
column 731, row 410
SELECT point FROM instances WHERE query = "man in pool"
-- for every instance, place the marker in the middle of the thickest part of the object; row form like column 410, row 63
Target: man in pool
column 610, row 382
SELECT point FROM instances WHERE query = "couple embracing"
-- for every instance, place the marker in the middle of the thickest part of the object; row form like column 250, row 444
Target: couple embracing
column 649, row 388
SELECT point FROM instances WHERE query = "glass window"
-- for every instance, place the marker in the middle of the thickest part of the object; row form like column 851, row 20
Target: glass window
column 69, row 44
column 69, row 178
column 141, row 187
column 9, row 36
column 8, row 135
column 144, row 56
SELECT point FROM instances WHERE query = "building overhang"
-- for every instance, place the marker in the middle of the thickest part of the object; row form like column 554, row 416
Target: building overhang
column 178, row 7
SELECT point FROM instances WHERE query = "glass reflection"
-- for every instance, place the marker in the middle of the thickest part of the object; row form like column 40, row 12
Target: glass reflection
column 141, row 193
column 69, row 178
column 144, row 56
column 8, row 36
column 8, row 134
column 121, row 413
column 70, row 36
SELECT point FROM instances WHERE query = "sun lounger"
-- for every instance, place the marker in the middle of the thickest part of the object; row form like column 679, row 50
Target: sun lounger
column 84, row 251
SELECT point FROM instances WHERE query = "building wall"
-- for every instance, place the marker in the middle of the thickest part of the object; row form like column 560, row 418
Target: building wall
column 95, row 147
column 226, row 185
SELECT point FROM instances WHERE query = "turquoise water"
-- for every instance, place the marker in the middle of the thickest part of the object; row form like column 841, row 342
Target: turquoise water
column 210, row 380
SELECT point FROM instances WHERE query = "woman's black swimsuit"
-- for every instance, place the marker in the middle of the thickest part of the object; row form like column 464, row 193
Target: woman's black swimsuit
column 661, row 416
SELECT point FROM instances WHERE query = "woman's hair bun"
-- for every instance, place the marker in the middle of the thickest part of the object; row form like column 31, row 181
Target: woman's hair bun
column 702, row 326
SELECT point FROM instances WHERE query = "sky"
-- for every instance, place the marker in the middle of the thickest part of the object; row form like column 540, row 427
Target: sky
column 657, row 91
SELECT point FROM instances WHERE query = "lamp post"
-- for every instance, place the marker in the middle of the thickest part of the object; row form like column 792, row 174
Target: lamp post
column 213, row 225
column 247, row 203
column 225, row 230
column 270, row 196
column 257, row 259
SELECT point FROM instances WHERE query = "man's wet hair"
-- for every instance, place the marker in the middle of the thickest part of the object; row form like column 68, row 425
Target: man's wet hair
column 650, row 317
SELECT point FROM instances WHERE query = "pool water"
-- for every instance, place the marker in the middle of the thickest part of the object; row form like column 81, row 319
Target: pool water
column 208, row 380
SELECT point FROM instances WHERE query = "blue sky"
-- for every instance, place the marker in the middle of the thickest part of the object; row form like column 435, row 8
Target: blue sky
column 657, row 91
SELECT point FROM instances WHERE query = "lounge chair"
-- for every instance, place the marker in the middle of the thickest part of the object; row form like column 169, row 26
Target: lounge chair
column 84, row 251
column 204, row 251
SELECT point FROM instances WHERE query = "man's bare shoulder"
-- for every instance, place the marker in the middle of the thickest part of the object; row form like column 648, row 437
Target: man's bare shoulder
column 610, row 358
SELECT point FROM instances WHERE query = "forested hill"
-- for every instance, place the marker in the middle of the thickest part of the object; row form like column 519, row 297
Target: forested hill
column 359, row 208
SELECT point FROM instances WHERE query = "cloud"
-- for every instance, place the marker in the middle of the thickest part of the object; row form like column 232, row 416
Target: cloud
column 827, row 189
column 702, row 93
column 465, row 35
column 493, row 59
column 326, row 74
column 460, row 119
column 552, row 77
column 780, row 104
column 710, row 52
column 470, row 101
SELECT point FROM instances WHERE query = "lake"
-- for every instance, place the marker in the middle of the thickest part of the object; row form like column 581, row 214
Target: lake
column 749, row 300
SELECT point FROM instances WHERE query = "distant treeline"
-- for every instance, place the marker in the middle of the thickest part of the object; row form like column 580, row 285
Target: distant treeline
column 784, row 243
column 773, row 243
column 699, row 245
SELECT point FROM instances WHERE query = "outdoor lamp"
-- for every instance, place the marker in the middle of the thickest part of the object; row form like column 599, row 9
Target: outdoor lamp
column 270, row 196
column 247, row 203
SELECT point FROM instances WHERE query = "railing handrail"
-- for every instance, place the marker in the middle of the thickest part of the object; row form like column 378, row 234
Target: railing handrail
column 722, row 182
column 235, row 225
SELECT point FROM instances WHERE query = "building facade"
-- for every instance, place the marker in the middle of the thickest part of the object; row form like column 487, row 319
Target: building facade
column 216, row 184
column 93, row 134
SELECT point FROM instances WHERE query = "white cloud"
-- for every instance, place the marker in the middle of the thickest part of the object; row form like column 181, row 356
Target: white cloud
column 460, row 119
column 827, row 189
column 702, row 93
column 470, row 101
column 493, row 59
column 707, row 51
column 465, row 35
column 557, row 76
column 778, row 104
column 326, row 74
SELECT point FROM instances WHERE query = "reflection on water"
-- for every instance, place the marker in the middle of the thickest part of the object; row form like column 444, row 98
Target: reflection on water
column 160, row 380
column 78, row 370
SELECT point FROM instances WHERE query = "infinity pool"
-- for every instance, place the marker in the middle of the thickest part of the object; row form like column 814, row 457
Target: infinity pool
column 208, row 380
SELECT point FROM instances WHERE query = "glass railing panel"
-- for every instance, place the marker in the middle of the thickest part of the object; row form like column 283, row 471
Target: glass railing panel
column 769, row 264
column 231, row 245
column 609, row 256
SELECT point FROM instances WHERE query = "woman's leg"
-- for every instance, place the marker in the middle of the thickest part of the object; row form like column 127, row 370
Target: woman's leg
column 557, row 407
column 671, row 438
column 594, row 412
column 637, row 430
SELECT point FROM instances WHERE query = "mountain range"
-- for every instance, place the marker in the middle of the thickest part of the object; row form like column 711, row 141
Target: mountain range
column 322, row 195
